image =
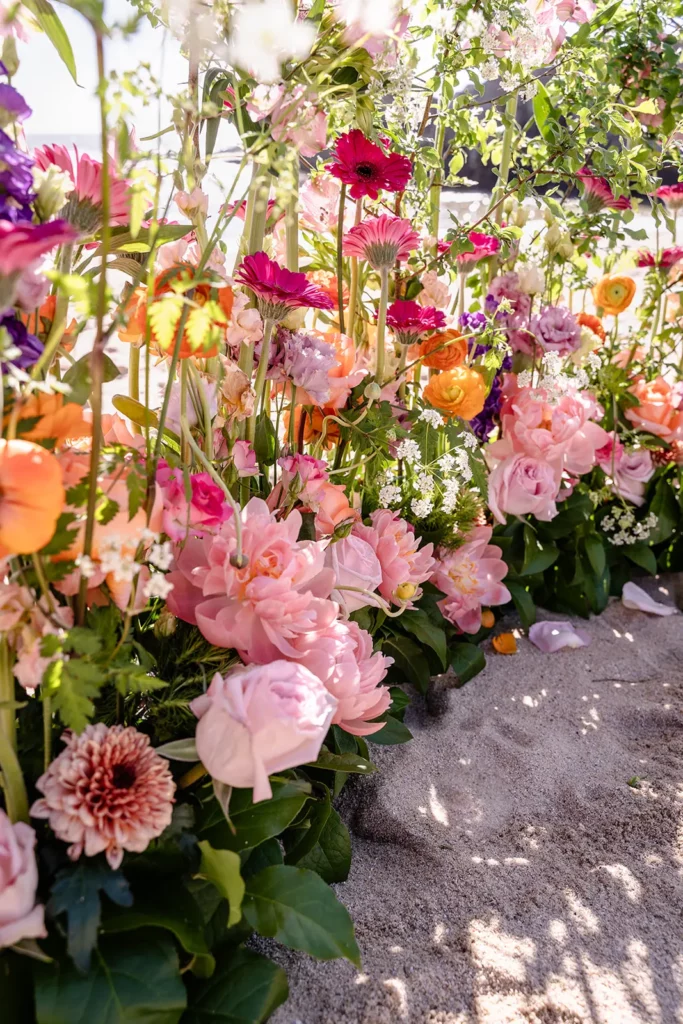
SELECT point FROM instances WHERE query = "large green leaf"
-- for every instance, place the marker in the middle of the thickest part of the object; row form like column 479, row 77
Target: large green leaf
column 252, row 823
column 133, row 982
column 665, row 507
column 423, row 629
column 342, row 763
column 524, row 603
column 392, row 732
column 409, row 660
column 76, row 892
column 222, row 867
column 537, row 556
column 596, row 553
column 49, row 22
column 246, row 988
column 298, row 908
column 642, row 555
column 163, row 903
column 331, row 855
column 79, row 378
column 467, row 661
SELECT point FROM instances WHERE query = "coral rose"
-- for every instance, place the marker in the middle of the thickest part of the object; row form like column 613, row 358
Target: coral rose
column 259, row 720
column 520, row 484
column 57, row 420
column 442, row 351
column 470, row 576
column 614, row 293
column 659, row 411
column 20, row 916
column 31, row 497
column 458, row 392
column 404, row 563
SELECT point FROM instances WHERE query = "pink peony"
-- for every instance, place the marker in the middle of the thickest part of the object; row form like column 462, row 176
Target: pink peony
column 659, row 411
column 520, row 484
column 206, row 509
column 342, row 657
column 294, row 117
column 259, row 720
column 280, row 593
column 355, row 565
column 470, row 576
column 108, row 791
column 20, row 916
column 15, row 604
column 404, row 563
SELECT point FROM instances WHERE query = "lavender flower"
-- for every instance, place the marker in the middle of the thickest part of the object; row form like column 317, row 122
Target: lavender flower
column 304, row 361
column 484, row 424
column 16, row 182
column 471, row 322
column 556, row 330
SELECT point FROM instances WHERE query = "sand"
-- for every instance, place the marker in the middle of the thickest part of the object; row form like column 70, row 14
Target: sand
column 504, row 869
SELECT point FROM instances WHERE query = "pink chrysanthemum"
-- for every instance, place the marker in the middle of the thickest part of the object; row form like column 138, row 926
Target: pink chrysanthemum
column 597, row 193
column 667, row 257
column 367, row 168
column 409, row 321
column 381, row 241
column 23, row 244
column 84, row 205
column 278, row 290
column 671, row 195
column 484, row 246
column 107, row 792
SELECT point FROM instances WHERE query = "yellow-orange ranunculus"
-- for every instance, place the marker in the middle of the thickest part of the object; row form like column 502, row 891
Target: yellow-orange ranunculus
column 31, row 497
column 57, row 420
column 443, row 351
column 614, row 293
column 458, row 392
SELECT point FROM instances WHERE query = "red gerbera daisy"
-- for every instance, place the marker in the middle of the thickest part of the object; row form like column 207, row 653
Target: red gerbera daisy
column 277, row 289
column 408, row 320
column 671, row 195
column 667, row 258
column 367, row 168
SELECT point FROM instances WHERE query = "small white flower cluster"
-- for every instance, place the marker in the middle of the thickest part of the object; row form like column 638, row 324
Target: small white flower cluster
column 593, row 361
column 432, row 417
column 390, row 494
column 627, row 530
column 114, row 560
column 409, row 451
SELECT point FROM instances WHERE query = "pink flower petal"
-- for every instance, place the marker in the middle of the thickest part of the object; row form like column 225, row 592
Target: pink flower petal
column 636, row 598
column 553, row 636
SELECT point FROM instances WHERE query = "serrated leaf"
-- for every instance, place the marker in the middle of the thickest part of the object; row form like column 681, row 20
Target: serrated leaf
column 199, row 326
column 164, row 316
column 222, row 868
column 73, row 685
column 106, row 510
column 136, row 485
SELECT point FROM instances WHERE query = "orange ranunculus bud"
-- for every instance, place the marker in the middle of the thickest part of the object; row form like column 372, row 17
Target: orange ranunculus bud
column 504, row 643
column 488, row 619
column 57, row 420
column 443, row 351
column 135, row 313
column 31, row 497
column 458, row 392
column 593, row 323
column 614, row 293
column 40, row 323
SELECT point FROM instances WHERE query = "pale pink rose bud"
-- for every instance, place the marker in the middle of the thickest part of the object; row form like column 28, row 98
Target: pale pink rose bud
column 354, row 564
column 20, row 916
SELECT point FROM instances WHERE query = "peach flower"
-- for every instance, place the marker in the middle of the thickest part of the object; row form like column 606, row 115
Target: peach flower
column 659, row 411
column 57, row 420
column 31, row 497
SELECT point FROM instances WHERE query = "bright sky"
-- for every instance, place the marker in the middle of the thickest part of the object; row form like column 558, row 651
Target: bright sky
column 61, row 107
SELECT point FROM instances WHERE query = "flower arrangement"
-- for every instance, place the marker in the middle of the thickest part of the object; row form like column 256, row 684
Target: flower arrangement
column 354, row 423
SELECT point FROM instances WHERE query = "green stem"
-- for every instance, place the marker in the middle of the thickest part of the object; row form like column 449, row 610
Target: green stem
column 16, row 800
column 260, row 377
column 381, row 324
column 436, row 187
column 47, row 732
column 340, row 259
column 257, row 229
column 59, row 322
column 134, row 382
column 292, row 219
column 353, row 288
column 505, row 156
column 291, row 432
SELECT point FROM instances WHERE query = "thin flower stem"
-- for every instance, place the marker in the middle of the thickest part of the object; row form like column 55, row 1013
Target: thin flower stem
column 16, row 800
column 381, row 324
column 59, row 322
column 353, row 286
column 134, row 382
column 340, row 259
column 260, row 377
column 292, row 219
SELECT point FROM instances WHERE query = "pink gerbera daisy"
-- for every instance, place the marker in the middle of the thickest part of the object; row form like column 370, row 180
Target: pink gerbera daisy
column 667, row 258
column 367, row 168
column 381, row 241
column 671, row 195
column 278, row 290
column 484, row 246
column 597, row 193
column 23, row 244
column 408, row 320
column 84, row 204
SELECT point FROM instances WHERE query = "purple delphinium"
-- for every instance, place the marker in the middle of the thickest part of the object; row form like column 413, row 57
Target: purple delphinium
column 16, row 182
column 304, row 361
column 472, row 322
column 556, row 330
column 28, row 346
column 484, row 424
column 13, row 104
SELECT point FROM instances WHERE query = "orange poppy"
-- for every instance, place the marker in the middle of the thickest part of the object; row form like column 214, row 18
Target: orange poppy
column 443, row 351
column 458, row 392
column 31, row 497
column 135, row 312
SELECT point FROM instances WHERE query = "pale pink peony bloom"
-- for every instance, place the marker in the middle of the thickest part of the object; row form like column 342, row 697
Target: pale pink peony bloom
column 550, row 637
column 245, row 323
column 282, row 591
column 520, row 484
column 320, row 203
column 470, row 577
column 660, row 411
column 188, row 250
column 15, row 604
column 30, row 664
column 108, row 791
column 115, row 431
column 342, row 657
column 259, row 720
column 20, row 916
column 244, row 459
column 404, row 563
column 355, row 565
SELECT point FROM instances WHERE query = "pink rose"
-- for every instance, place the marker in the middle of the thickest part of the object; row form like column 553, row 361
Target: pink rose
column 244, row 459
column 629, row 471
column 260, row 720
column 342, row 657
column 206, row 509
column 332, row 509
column 404, row 563
column 20, row 916
column 659, row 412
column 470, row 576
column 356, row 565
column 520, row 484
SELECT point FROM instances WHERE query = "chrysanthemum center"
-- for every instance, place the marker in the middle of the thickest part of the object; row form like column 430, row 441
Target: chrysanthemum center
column 123, row 776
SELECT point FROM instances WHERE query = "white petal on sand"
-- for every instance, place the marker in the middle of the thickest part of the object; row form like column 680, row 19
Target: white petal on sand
column 550, row 637
column 635, row 598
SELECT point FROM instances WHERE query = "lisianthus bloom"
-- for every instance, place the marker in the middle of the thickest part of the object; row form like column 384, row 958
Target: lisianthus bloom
column 23, row 244
column 381, row 241
column 51, row 418
column 597, row 193
column 435, row 292
column 192, row 203
column 364, row 166
column 201, row 295
column 405, row 564
column 484, row 246
column 341, row 657
column 303, row 359
column 259, row 720
column 31, row 497
column 555, row 329
column 520, row 484
column 442, row 351
column 614, row 293
column 457, row 392
column 319, row 204
column 84, row 204
column 593, row 323
column 21, row 917
column 470, row 577
column 671, row 195
column 659, row 411
column 665, row 259
column 25, row 349
column 107, row 792
column 259, row 608
column 277, row 289
column 409, row 320
column 205, row 511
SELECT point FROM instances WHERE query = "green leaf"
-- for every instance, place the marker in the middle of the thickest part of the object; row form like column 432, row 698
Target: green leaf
column 179, row 750
column 136, row 485
column 303, row 835
column 391, row 733
column 298, row 908
column 537, row 556
column 135, row 411
column 467, row 661
column 246, row 988
column 73, row 685
column 129, row 982
column 49, row 22
column 419, row 624
column 163, row 903
column 596, row 553
column 79, row 378
column 524, row 603
column 665, row 507
column 76, row 893
column 265, row 441
column 222, row 867
column 543, row 110
column 642, row 555
column 342, row 763
column 123, row 241
column 331, row 856
column 409, row 660
column 253, row 823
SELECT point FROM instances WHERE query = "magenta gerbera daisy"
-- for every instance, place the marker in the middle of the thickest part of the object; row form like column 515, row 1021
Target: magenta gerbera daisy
column 277, row 289
column 381, row 241
column 23, row 244
column 84, row 204
column 597, row 193
column 365, row 166
column 671, row 195
column 409, row 321
column 484, row 246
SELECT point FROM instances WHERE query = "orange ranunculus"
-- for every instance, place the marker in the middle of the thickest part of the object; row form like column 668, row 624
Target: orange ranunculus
column 135, row 312
column 458, row 392
column 593, row 323
column 31, row 497
column 488, row 619
column 504, row 643
column 614, row 293
column 57, row 420
column 200, row 296
column 443, row 351
column 314, row 424
column 40, row 323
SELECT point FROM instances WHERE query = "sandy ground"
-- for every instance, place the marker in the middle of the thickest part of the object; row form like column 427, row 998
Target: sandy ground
column 504, row 869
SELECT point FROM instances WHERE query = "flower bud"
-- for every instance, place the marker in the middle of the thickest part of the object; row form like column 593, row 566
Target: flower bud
column 52, row 186
column 372, row 392
column 405, row 591
column 522, row 214
column 548, row 217
column 165, row 625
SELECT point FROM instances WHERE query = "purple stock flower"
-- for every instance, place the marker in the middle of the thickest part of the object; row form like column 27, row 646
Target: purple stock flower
column 11, row 101
column 471, row 322
column 484, row 423
column 30, row 348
